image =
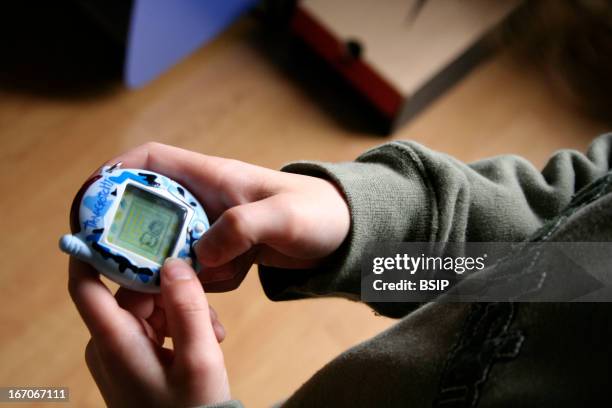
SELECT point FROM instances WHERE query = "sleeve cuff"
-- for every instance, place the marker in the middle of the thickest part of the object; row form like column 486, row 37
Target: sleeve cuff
column 386, row 204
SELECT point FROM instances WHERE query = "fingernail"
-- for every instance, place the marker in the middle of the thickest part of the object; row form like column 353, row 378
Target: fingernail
column 175, row 269
column 213, row 314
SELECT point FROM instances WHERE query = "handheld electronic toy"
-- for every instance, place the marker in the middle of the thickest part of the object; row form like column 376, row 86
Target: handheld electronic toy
column 126, row 222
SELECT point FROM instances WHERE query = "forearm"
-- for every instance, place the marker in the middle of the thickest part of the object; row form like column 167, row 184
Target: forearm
column 402, row 191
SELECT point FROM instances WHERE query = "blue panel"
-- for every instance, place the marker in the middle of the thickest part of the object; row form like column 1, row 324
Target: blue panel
column 163, row 32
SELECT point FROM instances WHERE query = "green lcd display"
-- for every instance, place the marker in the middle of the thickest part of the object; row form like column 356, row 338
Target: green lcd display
column 146, row 224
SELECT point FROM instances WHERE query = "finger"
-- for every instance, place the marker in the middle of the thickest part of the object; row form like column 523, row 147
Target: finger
column 157, row 321
column 96, row 368
column 95, row 303
column 219, row 331
column 217, row 326
column 116, row 332
column 213, row 313
column 142, row 306
column 242, row 227
column 206, row 175
column 157, row 299
column 150, row 332
column 228, row 277
column 187, row 314
column 138, row 303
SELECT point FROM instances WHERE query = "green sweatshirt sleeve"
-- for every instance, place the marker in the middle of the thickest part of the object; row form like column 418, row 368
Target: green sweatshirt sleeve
column 403, row 191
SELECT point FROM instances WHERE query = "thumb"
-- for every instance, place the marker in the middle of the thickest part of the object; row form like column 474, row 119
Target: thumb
column 187, row 314
column 242, row 227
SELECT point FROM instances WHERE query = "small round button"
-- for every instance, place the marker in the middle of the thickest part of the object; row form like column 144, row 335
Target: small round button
column 198, row 227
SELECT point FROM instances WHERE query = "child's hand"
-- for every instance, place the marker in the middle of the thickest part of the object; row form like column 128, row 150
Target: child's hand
column 260, row 215
column 125, row 354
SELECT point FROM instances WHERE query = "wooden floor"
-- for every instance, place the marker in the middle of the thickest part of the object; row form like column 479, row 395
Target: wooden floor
column 229, row 99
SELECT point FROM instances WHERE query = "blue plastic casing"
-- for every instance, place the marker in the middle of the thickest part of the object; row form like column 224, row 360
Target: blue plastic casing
column 94, row 211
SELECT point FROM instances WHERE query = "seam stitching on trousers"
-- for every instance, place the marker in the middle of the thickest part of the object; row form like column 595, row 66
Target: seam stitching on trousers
column 485, row 339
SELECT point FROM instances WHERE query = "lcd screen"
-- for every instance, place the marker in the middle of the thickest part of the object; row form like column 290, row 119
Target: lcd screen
column 146, row 224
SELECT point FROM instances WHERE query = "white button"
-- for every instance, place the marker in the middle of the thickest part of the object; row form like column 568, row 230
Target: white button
column 198, row 227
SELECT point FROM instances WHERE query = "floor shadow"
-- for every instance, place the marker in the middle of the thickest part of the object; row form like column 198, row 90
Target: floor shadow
column 61, row 50
column 56, row 49
column 319, row 81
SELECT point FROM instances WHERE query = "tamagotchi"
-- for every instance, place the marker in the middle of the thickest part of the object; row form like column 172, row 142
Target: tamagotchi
column 126, row 222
